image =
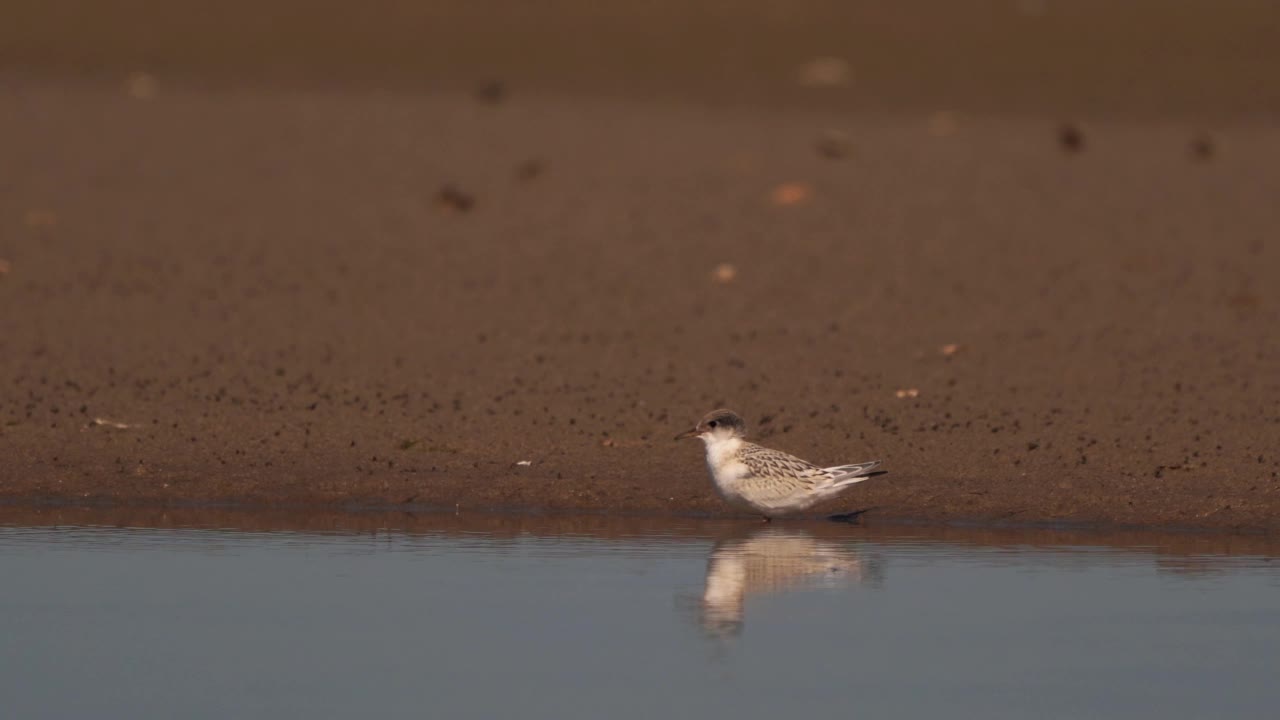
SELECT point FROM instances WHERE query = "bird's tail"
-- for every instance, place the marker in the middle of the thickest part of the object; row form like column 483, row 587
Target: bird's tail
column 844, row 475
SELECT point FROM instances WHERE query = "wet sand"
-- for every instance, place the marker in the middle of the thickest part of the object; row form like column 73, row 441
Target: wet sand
column 1187, row 552
column 312, row 294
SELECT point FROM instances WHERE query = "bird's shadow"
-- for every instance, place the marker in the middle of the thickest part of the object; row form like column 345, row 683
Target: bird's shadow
column 850, row 518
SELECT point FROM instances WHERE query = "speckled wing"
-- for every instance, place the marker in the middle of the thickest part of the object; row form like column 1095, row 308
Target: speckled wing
column 774, row 464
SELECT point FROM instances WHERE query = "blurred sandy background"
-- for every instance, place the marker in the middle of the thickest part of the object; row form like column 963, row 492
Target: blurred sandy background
column 1189, row 58
column 377, row 254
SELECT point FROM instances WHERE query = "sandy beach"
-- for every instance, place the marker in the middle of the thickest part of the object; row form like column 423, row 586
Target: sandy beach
column 220, row 284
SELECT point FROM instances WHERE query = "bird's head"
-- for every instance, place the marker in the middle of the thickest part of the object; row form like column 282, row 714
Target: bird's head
column 717, row 425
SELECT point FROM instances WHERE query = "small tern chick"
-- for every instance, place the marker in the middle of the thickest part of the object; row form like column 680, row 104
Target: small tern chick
column 766, row 481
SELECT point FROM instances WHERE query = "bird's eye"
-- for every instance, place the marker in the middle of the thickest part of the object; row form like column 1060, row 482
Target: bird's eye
column 712, row 423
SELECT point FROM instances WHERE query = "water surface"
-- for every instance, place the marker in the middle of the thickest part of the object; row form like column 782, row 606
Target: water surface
column 243, row 615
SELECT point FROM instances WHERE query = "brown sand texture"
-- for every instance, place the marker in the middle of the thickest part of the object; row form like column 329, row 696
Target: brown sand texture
column 1024, row 254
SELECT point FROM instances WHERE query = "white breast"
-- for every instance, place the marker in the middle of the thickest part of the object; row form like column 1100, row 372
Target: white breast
column 726, row 469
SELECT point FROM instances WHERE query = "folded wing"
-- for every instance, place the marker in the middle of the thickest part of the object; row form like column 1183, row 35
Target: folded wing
column 849, row 474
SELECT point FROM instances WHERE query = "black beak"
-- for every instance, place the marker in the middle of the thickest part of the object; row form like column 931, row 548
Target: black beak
column 688, row 434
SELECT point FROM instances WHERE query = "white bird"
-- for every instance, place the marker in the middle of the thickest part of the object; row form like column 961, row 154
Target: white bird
column 766, row 481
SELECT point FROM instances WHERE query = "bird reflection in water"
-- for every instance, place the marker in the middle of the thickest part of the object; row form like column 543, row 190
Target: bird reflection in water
column 773, row 560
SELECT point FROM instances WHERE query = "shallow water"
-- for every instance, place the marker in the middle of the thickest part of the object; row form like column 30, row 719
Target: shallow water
column 243, row 615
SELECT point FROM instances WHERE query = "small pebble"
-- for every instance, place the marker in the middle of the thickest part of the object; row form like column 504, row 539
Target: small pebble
column 1070, row 138
column 833, row 145
column 141, row 85
column 530, row 170
column 492, row 92
column 451, row 198
column 724, row 273
column 1201, row 147
column 792, row 193
column 824, row 72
